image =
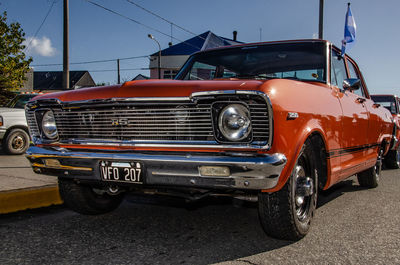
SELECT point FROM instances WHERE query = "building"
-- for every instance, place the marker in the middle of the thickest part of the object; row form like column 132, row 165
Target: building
column 52, row 80
column 28, row 83
column 140, row 77
column 173, row 57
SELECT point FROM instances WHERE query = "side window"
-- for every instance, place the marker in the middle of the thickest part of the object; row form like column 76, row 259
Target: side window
column 354, row 74
column 338, row 70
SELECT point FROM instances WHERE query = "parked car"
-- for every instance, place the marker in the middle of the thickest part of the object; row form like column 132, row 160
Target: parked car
column 392, row 103
column 267, row 122
column 14, row 135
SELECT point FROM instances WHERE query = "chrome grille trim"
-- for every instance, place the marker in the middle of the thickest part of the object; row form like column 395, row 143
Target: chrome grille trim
column 154, row 126
column 32, row 125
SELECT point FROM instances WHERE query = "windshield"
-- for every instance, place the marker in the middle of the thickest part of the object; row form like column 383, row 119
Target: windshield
column 389, row 102
column 19, row 101
column 300, row 61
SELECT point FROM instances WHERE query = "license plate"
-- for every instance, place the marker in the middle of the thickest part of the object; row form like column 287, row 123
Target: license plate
column 121, row 171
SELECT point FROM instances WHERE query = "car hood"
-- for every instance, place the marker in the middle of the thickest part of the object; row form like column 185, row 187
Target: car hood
column 152, row 88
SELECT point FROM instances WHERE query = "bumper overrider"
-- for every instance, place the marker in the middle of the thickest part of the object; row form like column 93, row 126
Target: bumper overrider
column 210, row 170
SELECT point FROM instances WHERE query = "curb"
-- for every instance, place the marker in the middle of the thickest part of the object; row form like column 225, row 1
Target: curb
column 31, row 198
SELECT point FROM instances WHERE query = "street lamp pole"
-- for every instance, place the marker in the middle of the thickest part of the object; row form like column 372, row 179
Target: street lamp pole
column 159, row 54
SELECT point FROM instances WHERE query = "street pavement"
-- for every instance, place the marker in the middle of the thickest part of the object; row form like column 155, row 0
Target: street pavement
column 352, row 226
column 21, row 188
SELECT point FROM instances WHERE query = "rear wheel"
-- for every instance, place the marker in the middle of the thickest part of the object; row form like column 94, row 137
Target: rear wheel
column 16, row 142
column 287, row 213
column 370, row 178
column 87, row 200
column 392, row 160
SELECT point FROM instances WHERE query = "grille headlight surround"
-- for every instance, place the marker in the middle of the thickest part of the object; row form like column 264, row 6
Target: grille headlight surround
column 49, row 127
column 234, row 122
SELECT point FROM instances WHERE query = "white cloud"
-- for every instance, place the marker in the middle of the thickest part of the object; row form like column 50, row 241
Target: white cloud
column 41, row 46
column 315, row 35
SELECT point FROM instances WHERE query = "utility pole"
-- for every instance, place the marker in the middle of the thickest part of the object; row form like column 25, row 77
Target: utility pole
column 66, row 47
column 119, row 76
column 321, row 19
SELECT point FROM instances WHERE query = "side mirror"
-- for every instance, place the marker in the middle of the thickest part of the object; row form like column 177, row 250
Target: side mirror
column 351, row 84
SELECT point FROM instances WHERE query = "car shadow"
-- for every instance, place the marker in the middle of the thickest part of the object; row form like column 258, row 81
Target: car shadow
column 147, row 231
column 337, row 190
column 142, row 233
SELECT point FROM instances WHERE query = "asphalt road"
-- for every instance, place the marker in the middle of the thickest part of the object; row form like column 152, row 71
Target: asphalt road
column 352, row 226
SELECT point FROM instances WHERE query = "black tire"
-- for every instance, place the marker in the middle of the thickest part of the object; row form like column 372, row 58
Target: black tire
column 392, row 160
column 85, row 200
column 287, row 213
column 16, row 142
column 370, row 178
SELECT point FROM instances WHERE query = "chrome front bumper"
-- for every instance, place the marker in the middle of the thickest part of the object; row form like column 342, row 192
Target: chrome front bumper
column 247, row 171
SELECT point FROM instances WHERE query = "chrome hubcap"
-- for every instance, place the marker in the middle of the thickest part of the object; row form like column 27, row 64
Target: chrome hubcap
column 304, row 189
column 18, row 142
column 378, row 165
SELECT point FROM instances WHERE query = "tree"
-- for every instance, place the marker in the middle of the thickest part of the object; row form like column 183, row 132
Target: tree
column 13, row 63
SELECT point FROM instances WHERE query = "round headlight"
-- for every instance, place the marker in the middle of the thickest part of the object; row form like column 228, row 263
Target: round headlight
column 49, row 125
column 234, row 122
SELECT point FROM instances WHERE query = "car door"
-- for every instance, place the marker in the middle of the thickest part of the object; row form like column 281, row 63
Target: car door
column 354, row 121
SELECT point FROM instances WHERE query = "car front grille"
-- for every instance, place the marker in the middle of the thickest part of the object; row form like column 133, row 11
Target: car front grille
column 172, row 122
column 151, row 122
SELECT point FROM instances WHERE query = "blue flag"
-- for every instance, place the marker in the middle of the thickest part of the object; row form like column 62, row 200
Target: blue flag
column 349, row 31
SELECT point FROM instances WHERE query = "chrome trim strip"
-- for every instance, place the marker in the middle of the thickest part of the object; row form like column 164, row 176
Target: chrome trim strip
column 197, row 146
column 215, row 92
column 328, row 66
column 152, row 99
column 62, row 167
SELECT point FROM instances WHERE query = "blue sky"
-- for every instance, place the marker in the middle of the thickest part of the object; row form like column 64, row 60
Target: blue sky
column 96, row 34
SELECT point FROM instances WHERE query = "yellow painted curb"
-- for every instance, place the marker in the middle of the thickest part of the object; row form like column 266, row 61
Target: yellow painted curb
column 18, row 200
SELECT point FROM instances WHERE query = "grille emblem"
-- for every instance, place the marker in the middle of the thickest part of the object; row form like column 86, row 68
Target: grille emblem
column 87, row 118
column 116, row 122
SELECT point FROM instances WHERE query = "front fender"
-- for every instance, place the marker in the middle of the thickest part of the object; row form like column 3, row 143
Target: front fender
column 291, row 146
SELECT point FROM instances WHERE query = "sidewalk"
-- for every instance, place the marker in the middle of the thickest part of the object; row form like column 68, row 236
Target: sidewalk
column 21, row 188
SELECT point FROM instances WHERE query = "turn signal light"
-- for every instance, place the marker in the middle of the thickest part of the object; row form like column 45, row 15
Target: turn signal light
column 214, row 171
column 52, row 163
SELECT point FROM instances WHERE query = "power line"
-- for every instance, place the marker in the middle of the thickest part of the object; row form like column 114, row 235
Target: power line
column 139, row 23
column 37, row 31
column 97, row 61
column 160, row 17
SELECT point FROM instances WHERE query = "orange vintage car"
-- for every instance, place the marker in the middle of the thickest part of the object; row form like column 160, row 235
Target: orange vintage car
column 273, row 122
column 392, row 103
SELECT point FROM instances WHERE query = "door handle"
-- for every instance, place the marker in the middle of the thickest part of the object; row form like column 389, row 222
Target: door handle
column 361, row 100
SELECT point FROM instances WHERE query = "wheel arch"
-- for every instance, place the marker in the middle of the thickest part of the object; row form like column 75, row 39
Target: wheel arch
column 318, row 140
column 9, row 130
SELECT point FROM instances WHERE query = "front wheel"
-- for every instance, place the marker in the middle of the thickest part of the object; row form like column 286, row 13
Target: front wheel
column 87, row 200
column 287, row 213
